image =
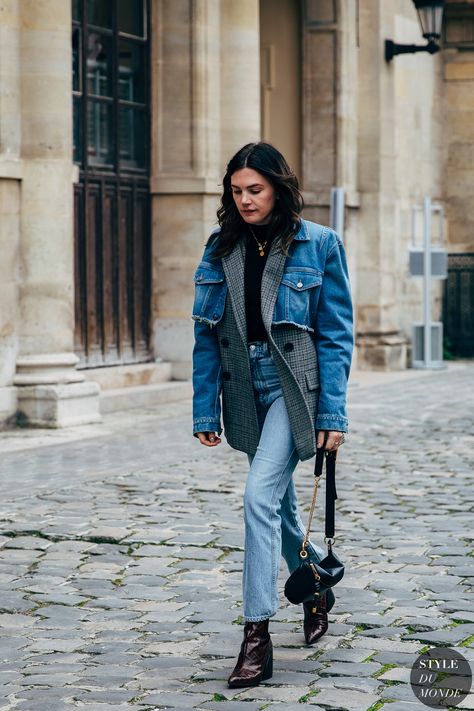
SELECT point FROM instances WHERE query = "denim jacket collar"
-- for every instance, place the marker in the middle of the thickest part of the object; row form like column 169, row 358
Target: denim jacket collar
column 303, row 233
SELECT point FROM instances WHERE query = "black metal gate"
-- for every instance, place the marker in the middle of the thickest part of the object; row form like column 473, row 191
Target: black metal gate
column 112, row 199
column 458, row 305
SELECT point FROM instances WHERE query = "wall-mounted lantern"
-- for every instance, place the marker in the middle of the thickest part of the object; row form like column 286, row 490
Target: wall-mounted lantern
column 430, row 16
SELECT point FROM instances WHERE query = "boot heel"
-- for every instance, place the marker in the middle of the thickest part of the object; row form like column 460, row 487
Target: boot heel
column 268, row 671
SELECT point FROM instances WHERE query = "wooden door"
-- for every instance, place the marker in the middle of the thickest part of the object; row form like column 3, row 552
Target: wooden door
column 112, row 198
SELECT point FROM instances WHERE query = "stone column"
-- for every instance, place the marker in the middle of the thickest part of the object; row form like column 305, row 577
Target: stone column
column 10, row 175
column 239, row 75
column 205, row 89
column 330, row 117
column 51, row 392
column 380, row 342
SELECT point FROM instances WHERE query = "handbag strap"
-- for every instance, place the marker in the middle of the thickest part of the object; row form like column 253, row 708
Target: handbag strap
column 331, row 496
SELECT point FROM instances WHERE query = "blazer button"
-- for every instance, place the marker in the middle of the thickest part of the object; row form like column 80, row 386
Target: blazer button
column 288, row 346
column 226, row 375
column 225, row 342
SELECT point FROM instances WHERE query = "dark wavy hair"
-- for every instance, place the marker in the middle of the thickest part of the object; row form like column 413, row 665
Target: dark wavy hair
column 285, row 218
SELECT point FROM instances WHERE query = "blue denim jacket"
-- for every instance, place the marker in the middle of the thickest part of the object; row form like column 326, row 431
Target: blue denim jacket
column 314, row 294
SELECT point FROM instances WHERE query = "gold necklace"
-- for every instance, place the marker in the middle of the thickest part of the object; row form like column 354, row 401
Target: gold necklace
column 261, row 247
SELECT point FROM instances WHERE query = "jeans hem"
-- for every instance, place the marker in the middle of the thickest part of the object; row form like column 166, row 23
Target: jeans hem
column 259, row 618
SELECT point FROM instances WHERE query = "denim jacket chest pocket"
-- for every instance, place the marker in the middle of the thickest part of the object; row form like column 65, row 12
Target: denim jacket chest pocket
column 210, row 291
column 297, row 297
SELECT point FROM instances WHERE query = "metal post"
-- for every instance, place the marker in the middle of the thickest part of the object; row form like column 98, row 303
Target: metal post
column 429, row 263
column 427, row 281
column 336, row 216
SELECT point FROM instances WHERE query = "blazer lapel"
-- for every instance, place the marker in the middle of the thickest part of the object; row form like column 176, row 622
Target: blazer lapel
column 271, row 278
column 233, row 265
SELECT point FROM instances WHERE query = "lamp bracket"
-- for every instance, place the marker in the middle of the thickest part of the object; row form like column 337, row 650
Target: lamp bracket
column 392, row 48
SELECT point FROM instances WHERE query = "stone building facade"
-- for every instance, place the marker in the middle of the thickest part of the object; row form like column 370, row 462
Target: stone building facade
column 113, row 145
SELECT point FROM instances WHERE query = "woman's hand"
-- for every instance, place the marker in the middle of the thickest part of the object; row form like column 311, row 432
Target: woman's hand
column 334, row 439
column 209, row 439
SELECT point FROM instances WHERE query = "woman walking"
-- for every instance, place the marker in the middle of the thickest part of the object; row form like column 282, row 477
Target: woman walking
column 273, row 333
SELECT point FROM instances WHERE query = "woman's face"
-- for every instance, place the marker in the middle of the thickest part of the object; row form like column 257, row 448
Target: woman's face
column 253, row 195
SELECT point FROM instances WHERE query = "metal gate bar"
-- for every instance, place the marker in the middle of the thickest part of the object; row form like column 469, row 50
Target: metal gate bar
column 458, row 305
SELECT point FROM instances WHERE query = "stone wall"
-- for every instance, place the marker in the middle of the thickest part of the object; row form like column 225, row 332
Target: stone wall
column 399, row 162
column 458, row 127
column 418, row 95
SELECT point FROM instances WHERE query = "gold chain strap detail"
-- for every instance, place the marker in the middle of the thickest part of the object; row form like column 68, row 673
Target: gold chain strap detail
column 303, row 552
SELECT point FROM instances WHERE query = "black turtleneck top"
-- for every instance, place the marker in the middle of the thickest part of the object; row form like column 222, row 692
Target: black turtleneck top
column 254, row 265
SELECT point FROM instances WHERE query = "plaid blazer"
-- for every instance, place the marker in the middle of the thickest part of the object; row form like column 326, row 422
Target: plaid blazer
column 297, row 366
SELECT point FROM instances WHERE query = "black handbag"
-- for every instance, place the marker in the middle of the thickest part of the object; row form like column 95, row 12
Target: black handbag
column 311, row 579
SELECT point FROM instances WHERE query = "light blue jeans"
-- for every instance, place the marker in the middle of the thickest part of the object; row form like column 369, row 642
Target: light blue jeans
column 273, row 525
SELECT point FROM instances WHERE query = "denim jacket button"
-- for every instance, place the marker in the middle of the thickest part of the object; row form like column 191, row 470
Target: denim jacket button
column 299, row 284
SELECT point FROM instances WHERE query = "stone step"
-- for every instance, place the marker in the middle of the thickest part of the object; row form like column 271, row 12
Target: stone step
column 125, row 376
column 139, row 396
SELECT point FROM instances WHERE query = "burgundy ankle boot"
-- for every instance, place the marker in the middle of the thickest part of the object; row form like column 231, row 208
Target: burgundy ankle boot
column 315, row 619
column 316, row 616
column 255, row 661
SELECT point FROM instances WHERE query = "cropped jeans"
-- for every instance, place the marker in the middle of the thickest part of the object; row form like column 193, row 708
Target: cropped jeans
column 273, row 525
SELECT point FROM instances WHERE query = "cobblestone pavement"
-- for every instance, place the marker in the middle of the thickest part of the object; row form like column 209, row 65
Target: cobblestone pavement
column 121, row 556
